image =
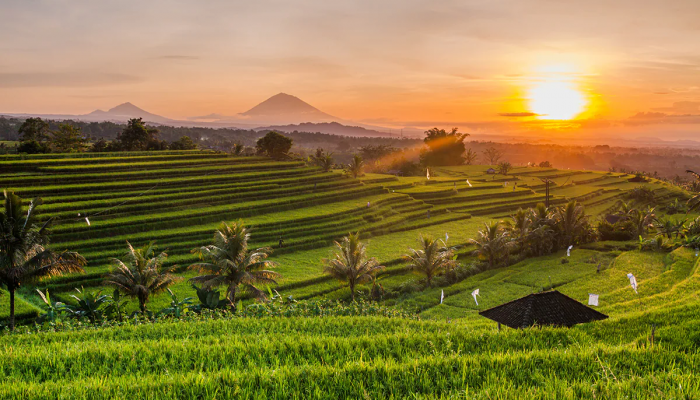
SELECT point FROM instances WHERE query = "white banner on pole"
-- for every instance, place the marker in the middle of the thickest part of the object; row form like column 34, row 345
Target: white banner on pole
column 474, row 294
column 592, row 299
column 633, row 282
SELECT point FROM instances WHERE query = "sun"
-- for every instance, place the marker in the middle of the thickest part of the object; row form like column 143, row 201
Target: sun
column 556, row 99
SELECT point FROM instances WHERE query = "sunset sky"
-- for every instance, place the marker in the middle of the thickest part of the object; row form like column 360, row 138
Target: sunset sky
column 406, row 62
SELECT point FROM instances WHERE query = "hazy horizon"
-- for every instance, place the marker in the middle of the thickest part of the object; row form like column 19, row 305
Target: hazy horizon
column 528, row 67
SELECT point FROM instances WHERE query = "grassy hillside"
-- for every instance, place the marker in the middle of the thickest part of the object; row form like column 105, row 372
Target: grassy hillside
column 441, row 351
column 177, row 198
column 384, row 357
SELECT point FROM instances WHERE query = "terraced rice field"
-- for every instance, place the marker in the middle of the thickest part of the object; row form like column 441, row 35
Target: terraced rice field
column 178, row 198
column 449, row 352
column 446, row 351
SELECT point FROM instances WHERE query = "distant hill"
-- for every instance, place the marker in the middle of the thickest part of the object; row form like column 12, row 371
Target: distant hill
column 332, row 128
column 125, row 112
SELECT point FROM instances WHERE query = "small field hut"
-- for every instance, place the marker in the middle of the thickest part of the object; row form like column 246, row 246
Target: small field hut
column 546, row 308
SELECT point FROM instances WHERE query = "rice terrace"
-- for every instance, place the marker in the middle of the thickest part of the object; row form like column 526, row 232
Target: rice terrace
column 461, row 199
column 400, row 338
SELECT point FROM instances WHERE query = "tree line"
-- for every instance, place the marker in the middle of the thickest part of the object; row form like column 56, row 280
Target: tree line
column 37, row 136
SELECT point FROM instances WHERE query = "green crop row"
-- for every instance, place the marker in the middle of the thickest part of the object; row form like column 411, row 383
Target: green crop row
column 166, row 172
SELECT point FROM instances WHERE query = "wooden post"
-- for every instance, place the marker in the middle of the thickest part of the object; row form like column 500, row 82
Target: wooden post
column 499, row 326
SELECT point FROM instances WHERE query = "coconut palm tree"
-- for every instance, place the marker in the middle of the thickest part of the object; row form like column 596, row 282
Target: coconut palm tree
column 492, row 243
column 432, row 259
column 322, row 159
column 541, row 215
column 325, row 162
column 228, row 262
column 356, row 167
column 141, row 274
column 572, row 222
column 643, row 219
column 350, row 263
column 694, row 201
column 521, row 223
column 24, row 257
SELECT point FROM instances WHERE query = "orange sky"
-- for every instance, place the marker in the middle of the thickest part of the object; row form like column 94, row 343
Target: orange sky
column 407, row 62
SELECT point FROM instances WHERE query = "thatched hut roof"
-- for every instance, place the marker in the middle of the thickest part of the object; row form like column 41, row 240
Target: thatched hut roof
column 612, row 218
column 546, row 308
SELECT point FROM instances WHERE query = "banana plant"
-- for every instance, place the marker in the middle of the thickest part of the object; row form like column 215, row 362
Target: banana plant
column 53, row 309
column 116, row 305
column 177, row 306
column 88, row 305
column 209, row 298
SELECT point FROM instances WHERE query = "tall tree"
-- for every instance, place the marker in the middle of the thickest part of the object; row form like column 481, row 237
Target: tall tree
column 184, row 143
column 492, row 155
column 34, row 129
column 505, row 167
column 443, row 148
column 136, row 136
column 351, row 264
column 274, row 145
column 141, row 274
column 68, row 139
column 431, row 259
column 23, row 254
column 228, row 262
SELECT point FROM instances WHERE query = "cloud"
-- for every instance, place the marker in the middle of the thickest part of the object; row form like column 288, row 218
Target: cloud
column 656, row 118
column 64, row 79
column 178, row 57
column 681, row 107
column 519, row 114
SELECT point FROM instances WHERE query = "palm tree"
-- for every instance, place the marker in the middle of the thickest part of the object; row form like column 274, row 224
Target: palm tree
column 228, row 262
column 491, row 243
column 350, row 263
column 626, row 210
column 541, row 215
column 237, row 149
column 694, row 201
column 326, row 162
column 522, row 222
column 356, row 166
column 665, row 227
column 572, row 222
column 643, row 219
column 142, row 274
column 24, row 257
column 432, row 259
column 322, row 159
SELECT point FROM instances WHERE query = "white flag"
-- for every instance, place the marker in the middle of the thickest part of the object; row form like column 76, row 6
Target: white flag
column 87, row 220
column 474, row 294
column 447, row 237
column 592, row 299
column 427, row 173
column 442, row 296
column 633, row 282
column 568, row 251
column 469, row 183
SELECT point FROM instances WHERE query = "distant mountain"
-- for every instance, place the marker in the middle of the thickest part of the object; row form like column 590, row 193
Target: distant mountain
column 332, row 128
column 286, row 109
column 125, row 112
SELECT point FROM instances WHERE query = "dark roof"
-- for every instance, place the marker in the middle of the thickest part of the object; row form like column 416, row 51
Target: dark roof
column 612, row 218
column 490, row 170
column 546, row 308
